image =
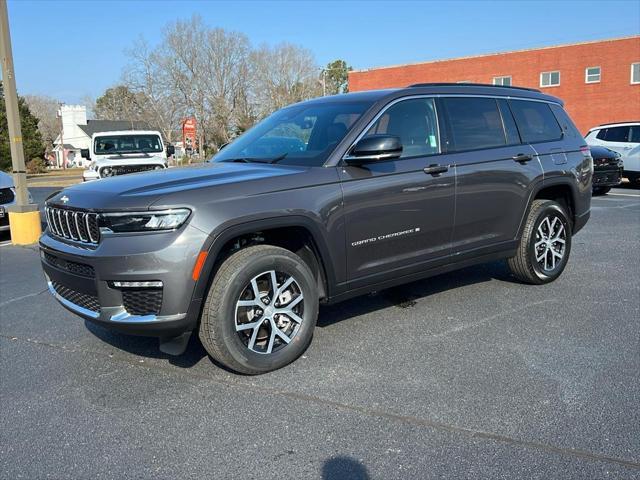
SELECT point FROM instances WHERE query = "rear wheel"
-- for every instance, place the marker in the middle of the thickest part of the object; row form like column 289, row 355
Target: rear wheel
column 260, row 311
column 601, row 190
column 545, row 244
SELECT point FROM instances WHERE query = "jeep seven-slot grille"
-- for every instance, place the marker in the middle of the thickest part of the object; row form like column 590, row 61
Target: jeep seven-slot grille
column 74, row 225
column 6, row 195
column 143, row 301
column 126, row 169
column 83, row 300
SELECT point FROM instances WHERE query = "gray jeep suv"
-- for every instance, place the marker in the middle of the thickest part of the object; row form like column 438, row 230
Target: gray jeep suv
column 323, row 200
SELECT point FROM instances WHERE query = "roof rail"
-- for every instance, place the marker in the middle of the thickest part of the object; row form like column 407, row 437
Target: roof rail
column 445, row 84
column 616, row 123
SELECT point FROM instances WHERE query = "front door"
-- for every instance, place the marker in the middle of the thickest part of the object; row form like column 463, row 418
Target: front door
column 399, row 217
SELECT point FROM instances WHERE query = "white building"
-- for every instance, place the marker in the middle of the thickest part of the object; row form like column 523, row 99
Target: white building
column 77, row 131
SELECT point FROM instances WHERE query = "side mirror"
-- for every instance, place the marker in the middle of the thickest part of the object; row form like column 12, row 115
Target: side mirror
column 171, row 150
column 374, row 148
column 84, row 153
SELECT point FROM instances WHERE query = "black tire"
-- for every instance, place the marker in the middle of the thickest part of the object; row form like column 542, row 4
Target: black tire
column 601, row 190
column 524, row 264
column 218, row 322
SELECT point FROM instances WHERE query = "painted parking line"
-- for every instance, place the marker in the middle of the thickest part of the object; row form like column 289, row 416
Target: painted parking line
column 625, row 194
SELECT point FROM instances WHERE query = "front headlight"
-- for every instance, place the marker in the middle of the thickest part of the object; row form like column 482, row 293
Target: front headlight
column 151, row 221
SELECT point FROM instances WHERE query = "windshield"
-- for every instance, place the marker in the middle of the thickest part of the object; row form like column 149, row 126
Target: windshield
column 127, row 144
column 299, row 135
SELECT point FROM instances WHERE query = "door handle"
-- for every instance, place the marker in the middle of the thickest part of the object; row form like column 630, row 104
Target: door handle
column 522, row 157
column 436, row 169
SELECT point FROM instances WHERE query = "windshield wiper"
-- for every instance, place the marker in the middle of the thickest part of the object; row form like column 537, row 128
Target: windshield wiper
column 256, row 159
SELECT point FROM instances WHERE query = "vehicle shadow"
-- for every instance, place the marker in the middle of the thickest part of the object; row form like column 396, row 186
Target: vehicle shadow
column 406, row 296
column 344, row 468
column 148, row 346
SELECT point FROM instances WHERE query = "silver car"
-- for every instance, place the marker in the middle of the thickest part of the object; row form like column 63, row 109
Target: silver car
column 7, row 198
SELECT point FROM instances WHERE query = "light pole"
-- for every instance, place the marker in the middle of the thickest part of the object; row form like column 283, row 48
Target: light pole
column 24, row 218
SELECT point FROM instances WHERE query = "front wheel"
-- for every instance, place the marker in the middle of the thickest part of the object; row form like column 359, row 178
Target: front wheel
column 260, row 311
column 545, row 244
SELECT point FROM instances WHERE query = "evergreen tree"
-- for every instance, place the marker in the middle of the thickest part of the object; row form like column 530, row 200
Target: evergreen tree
column 31, row 138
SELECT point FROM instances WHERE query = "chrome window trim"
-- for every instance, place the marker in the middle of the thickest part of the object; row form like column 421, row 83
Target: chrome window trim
column 346, row 156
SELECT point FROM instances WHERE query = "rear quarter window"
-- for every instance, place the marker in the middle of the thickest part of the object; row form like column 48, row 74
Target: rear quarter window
column 617, row 134
column 536, row 121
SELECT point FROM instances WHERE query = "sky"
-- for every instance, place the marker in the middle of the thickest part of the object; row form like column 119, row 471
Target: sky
column 73, row 49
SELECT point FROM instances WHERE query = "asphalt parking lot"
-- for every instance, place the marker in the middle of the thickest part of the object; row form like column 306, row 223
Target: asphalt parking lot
column 465, row 375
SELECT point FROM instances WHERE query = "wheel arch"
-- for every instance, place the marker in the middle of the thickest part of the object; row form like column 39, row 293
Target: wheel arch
column 556, row 189
column 296, row 233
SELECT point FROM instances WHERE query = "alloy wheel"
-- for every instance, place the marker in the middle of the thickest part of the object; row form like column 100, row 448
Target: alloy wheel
column 269, row 312
column 550, row 243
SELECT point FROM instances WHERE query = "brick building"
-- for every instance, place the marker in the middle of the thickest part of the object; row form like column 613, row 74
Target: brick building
column 598, row 81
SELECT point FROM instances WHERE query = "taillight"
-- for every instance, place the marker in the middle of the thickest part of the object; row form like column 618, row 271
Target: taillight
column 585, row 151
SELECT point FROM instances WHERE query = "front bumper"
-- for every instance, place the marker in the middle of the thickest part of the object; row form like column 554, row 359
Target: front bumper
column 81, row 279
column 607, row 176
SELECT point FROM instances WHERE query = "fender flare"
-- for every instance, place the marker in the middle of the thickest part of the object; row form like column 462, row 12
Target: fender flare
column 537, row 188
column 224, row 233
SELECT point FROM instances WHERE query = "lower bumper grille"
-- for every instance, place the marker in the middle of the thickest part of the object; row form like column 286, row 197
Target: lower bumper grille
column 71, row 267
column 142, row 301
column 83, row 300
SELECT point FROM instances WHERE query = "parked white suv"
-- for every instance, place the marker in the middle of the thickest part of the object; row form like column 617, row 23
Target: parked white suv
column 122, row 152
column 623, row 138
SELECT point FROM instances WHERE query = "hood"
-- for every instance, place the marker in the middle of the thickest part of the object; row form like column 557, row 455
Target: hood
column 6, row 180
column 140, row 190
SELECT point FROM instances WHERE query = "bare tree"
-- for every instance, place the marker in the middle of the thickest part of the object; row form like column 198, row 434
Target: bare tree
column 213, row 75
column 285, row 74
column 45, row 110
column 146, row 77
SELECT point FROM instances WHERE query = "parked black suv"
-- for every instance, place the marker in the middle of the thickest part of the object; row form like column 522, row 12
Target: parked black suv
column 323, row 200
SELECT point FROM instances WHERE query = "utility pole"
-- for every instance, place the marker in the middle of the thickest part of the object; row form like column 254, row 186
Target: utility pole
column 24, row 219
column 63, row 154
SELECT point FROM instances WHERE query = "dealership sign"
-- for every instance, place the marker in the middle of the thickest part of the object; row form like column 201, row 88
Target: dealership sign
column 189, row 134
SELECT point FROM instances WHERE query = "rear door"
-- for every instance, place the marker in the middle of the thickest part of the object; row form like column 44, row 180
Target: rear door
column 494, row 172
column 399, row 218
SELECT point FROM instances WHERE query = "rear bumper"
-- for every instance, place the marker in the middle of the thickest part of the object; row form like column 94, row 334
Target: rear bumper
column 82, row 281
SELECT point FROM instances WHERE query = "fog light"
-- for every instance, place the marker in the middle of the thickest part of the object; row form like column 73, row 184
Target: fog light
column 150, row 284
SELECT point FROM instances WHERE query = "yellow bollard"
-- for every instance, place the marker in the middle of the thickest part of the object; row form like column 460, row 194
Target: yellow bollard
column 25, row 227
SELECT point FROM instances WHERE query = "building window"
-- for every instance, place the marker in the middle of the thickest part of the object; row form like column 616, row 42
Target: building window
column 550, row 79
column 592, row 75
column 635, row 73
column 504, row 81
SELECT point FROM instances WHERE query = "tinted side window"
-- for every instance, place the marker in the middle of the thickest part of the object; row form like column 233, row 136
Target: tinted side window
column 414, row 122
column 535, row 121
column 565, row 122
column 617, row 134
column 602, row 134
column 634, row 134
column 475, row 123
